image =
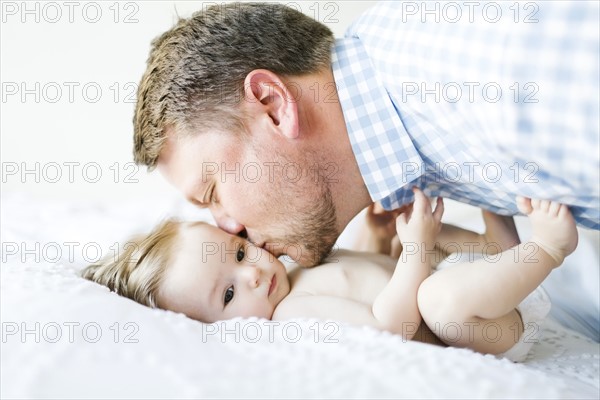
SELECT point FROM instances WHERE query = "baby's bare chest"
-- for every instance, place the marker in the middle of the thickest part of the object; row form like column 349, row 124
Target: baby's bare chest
column 351, row 275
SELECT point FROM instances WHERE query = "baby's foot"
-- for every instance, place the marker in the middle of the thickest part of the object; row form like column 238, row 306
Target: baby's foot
column 500, row 232
column 553, row 226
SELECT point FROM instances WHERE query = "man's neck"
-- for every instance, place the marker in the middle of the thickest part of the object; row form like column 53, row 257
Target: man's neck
column 322, row 118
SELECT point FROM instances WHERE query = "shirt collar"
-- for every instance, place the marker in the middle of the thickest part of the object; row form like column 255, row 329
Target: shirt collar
column 386, row 156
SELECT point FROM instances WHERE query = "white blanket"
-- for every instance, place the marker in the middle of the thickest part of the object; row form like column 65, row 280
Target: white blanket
column 64, row 337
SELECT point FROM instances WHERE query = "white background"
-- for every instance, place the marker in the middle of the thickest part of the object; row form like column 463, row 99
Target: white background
column 54, row 121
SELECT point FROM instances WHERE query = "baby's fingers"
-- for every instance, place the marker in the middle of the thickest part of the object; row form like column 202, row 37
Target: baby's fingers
column 439, row 209
column 401, row 220
column 421, row 205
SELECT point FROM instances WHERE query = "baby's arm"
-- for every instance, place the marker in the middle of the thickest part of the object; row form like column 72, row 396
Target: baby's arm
column 396, row 306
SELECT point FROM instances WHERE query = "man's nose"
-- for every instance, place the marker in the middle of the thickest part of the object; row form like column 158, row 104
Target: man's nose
column 227, row 223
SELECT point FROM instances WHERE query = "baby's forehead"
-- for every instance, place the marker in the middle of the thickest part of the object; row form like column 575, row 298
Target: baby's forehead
column 202, row 227
column 187, row 286
column 198, row 224
column 191, row 232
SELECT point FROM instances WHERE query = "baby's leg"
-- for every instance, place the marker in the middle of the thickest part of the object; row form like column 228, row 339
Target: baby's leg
column 462, row 303
column 500, row 234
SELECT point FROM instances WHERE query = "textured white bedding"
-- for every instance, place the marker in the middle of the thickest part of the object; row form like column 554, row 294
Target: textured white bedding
column 64, row 337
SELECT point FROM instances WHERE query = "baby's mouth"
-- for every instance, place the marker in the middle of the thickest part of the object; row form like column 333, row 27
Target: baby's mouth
column 273, row 284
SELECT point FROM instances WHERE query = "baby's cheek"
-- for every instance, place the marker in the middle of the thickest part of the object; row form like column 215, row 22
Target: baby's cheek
column 257, row 309
column 263, row 310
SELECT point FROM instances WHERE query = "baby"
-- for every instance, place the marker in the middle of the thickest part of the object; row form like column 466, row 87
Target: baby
column 209, row 275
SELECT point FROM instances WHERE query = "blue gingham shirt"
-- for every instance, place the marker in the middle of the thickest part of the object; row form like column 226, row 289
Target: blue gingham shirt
column 475, row 110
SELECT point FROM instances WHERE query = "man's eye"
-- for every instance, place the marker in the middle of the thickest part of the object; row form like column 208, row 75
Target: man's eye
column 228, row 295
column 241, row 253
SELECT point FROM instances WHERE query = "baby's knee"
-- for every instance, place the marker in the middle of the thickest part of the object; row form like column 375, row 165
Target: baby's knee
column 439, row 304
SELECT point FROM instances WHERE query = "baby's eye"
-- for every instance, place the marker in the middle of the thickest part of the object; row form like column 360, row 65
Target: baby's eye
column 241, row 253
column 228, row 295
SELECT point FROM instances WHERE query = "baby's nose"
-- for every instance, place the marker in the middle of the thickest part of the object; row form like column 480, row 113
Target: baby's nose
column 252, row 276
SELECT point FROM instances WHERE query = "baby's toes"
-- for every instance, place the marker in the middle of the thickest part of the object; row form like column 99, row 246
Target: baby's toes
column 524, row 205
column 564, row 212
column 544, row 205
column 535, row 204
column 554, row 208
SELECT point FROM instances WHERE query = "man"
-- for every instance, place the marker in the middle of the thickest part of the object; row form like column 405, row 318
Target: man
column 285, row 134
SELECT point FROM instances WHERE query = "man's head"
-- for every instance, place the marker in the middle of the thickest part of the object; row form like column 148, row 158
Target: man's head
column 194, row 81
column 234, row 111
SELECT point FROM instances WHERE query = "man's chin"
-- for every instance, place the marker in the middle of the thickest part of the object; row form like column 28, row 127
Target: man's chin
column 310, row 258
column 295, row 253
column 308, row 261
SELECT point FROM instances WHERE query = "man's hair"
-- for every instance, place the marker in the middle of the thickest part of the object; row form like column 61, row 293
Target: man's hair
column 138, row 270
column 195, row 71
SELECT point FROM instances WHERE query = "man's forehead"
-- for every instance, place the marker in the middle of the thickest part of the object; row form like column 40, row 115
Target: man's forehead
column 174, row 141
column 168, row 152
column 177, row 156
column 206, row 150
column 201, row 146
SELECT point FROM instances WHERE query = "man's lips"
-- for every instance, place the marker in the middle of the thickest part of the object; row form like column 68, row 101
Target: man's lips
column 273, row 284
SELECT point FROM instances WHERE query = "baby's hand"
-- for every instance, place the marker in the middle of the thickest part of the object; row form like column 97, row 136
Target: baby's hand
column 419, row 224
column 382, row 223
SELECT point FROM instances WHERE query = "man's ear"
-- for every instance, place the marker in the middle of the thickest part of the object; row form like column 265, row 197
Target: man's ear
column 266, row 94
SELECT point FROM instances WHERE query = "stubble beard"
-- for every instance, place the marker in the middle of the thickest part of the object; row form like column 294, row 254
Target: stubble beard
column 308, row 216
column 314, row 231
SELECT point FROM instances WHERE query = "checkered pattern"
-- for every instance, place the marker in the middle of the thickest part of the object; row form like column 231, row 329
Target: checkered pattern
column 473, row 110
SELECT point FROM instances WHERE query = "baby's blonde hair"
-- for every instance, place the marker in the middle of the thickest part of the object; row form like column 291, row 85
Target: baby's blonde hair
column 138, row 270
